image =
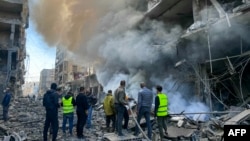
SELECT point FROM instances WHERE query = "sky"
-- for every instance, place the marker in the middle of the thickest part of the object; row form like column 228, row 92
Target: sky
column 39, row 55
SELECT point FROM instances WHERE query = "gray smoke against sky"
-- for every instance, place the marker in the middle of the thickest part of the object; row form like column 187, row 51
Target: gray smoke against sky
column 106, row 33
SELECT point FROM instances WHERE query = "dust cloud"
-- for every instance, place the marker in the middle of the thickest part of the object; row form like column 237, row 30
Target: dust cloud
column 107, row 34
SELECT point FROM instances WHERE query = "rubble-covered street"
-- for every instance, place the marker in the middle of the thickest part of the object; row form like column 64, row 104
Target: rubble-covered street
column 197, row 51
column 27, row 119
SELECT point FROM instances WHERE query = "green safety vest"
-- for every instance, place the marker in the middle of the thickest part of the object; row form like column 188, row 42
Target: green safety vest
column 67, row 105
column 163, row 105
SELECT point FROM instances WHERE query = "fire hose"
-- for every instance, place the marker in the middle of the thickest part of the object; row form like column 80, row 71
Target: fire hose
column 138, row 125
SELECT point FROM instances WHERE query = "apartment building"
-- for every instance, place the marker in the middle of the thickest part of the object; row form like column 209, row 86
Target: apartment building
column 14, row 16
column 30, row 89
column 70, row 76
column 47, row 76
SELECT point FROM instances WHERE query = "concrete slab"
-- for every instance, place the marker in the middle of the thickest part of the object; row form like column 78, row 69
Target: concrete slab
column 238, row 118
column 234, row 19
column 174, row 132
column 115, row 137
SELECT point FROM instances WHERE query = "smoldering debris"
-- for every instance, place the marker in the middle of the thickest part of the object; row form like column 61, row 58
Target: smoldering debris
column 26, row 120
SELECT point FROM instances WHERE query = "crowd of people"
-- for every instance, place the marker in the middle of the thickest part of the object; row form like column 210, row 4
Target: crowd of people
column 115, row 108
column 53, row 99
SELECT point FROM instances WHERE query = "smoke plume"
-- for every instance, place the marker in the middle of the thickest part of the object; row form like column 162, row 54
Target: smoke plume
column 107, row 33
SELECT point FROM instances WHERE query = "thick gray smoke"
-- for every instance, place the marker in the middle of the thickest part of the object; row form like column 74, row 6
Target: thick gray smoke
column 137, row 55
column 110, row 37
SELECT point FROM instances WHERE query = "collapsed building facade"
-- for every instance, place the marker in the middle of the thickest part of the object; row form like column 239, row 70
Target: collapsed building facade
column 212, row 58
column 13, row 22
column 70, row 76
column 214, row 50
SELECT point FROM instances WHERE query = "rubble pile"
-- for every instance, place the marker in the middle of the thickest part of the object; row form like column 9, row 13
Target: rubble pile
column 182, row 128
column 26, row 119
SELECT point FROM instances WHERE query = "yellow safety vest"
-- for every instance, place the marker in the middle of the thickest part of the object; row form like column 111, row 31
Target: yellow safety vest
column 163, row 105
column 67, row 105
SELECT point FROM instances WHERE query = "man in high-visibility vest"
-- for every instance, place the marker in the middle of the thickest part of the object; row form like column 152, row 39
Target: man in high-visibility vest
column 161, row 110
column 68, row 103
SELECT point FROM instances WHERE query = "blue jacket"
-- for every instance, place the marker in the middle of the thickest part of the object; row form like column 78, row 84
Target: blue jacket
column 6, row 99
column 145, row 98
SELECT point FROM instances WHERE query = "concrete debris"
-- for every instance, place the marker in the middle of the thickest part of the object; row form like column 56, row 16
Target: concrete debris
column 242, row 8
column 196, row 25
column 27, row 118
column 239, row 118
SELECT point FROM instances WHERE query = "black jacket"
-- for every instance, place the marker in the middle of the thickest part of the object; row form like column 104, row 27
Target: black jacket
column 50, row 101
column 81, row 103
column 92, row 100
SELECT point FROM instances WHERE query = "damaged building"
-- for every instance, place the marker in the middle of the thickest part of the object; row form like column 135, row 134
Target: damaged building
column 211, row 57
column 214, row 50
column 13, row 22
column 70, row 76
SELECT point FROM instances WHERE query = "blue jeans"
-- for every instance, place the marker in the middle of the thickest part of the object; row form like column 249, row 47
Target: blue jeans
column 120, row 109
column 126, row 119
column 144, row 111
column 88, row 125
column 5, row 112
column 68, row 117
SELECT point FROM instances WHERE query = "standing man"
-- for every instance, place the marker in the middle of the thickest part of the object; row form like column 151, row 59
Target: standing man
column 91, row 101
column 161, row 110
column 126, row 115
column 6, row 103
column 145, row 100
column 120, row 108
column 68, row 103
column 59, row 94
column 109, row 109
column 82, row 112
column 50, row 102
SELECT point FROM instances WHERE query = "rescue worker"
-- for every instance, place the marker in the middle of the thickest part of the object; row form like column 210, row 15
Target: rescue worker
column 120, row 108
column 68, row 103
column 109, row 109
column 161, row 110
